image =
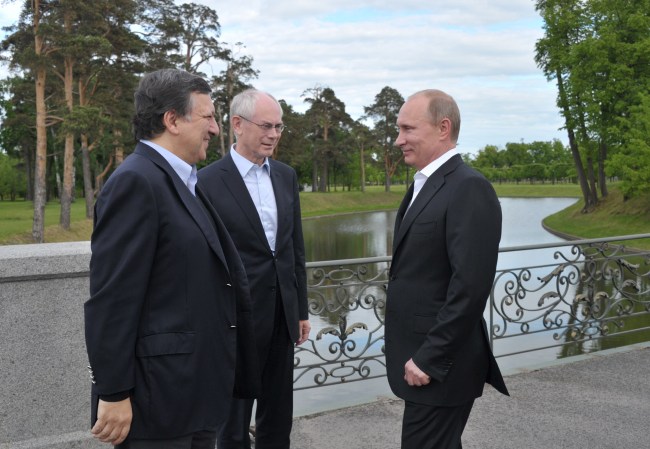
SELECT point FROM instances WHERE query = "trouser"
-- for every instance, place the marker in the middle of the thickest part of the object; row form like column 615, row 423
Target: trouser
column 274, row 412
column 199, row 440
column 431, row 427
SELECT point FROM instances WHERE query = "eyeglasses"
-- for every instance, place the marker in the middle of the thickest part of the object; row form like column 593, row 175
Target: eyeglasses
column 266, row 126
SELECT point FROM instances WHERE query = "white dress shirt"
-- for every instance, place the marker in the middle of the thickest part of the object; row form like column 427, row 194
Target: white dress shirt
column 421, row 176
column 185, row 171
column 258, row 182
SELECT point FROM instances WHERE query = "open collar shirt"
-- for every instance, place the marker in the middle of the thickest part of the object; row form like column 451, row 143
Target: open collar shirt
column 185, row 171
column 258, row 182
column 421, row 176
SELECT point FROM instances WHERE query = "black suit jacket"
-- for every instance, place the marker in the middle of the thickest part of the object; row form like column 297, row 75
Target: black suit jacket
column 167, row 295
column 445, row 252
column 227, row 192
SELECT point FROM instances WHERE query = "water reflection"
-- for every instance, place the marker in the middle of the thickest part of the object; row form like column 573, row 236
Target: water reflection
column 349, row 236
column 370, row 234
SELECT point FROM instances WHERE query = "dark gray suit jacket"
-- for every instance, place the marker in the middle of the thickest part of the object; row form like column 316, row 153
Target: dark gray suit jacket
column 168, row 295
column 445, row 252
column 227, row 192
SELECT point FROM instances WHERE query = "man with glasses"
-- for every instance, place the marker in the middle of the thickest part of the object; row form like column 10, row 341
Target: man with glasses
column 257, row 197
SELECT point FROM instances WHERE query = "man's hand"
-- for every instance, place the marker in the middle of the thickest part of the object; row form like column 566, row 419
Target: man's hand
column 304, row 328
column 414, row 376
column 113, row 421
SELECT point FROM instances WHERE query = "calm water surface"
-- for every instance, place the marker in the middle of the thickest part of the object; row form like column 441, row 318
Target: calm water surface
column 370, row 234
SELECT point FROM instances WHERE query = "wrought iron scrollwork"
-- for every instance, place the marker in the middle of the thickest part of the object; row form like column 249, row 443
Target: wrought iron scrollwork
column 342, row 352
column 590, row 289
column 590, row 294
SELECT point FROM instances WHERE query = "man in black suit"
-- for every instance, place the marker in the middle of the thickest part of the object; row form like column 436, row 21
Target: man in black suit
column 257, row 197
column 168, row 291
column 445, row 250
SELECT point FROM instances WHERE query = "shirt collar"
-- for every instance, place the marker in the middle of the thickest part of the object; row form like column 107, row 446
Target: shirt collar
column 436, row 164
column 182, row 168
column 244, row 165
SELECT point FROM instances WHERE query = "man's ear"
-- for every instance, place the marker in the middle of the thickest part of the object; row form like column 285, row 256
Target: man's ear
column 445, row 128
column 170, row 119
column 236, row 123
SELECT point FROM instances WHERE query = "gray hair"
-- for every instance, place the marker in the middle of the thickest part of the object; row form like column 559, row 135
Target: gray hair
column 243, row 104
column 441, row 106
column 161, row 91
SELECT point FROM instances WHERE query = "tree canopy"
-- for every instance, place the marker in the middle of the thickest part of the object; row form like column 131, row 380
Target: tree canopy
column 66, row 107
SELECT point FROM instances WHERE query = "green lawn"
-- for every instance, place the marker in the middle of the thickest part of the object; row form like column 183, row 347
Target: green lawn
column 538, row 190
column 16, row 222
column 613, row 217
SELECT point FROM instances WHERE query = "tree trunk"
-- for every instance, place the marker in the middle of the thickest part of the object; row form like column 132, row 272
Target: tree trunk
column 314, row 170
column 580, row 171
column 592, row 179
column 222, row 141
column 573, row 144
column 68, row 155
column 89, row 193
column 29, row 172
column 99, row 179
column 602, row 178
column 230, row 87
column 386, row 169
column 40, row 169
column 40, row 186
column 322, row 185
column 68, row 181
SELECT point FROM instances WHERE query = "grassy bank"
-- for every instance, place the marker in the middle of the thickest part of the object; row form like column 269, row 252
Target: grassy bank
column 16, row 219
column 523, row 190
column 613, row 218
column 313, row 204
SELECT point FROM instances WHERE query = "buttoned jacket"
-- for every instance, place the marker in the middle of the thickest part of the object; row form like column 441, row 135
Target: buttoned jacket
column 445, row 249
column 169, row 302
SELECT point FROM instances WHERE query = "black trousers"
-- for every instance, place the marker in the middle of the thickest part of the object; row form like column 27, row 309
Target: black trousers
column 430, row 427
column 274, row 412
column 199, row 440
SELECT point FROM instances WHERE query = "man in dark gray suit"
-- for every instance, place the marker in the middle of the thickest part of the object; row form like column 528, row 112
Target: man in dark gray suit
column 169, row 301
column 257, row 197
column 445, row 250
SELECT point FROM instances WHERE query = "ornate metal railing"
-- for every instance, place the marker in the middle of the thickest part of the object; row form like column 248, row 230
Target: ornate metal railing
column 582, row 296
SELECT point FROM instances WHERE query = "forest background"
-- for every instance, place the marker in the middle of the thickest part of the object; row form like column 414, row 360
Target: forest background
column 66, row 108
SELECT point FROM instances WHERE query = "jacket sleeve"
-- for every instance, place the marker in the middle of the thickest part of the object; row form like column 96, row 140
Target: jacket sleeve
column 123, row 248
column 299, row 252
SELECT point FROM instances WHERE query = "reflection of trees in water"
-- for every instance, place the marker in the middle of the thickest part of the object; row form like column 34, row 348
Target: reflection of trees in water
column 352, row 236
column 325, row 245
column 595, row 292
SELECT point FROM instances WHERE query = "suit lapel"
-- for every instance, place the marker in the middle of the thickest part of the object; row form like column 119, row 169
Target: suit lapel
column 234, row 183
column 281, row 205
column 401, row 212
column 429, row 190
column 189, row 201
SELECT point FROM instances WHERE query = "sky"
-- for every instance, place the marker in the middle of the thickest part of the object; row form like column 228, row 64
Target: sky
column 479, row 51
